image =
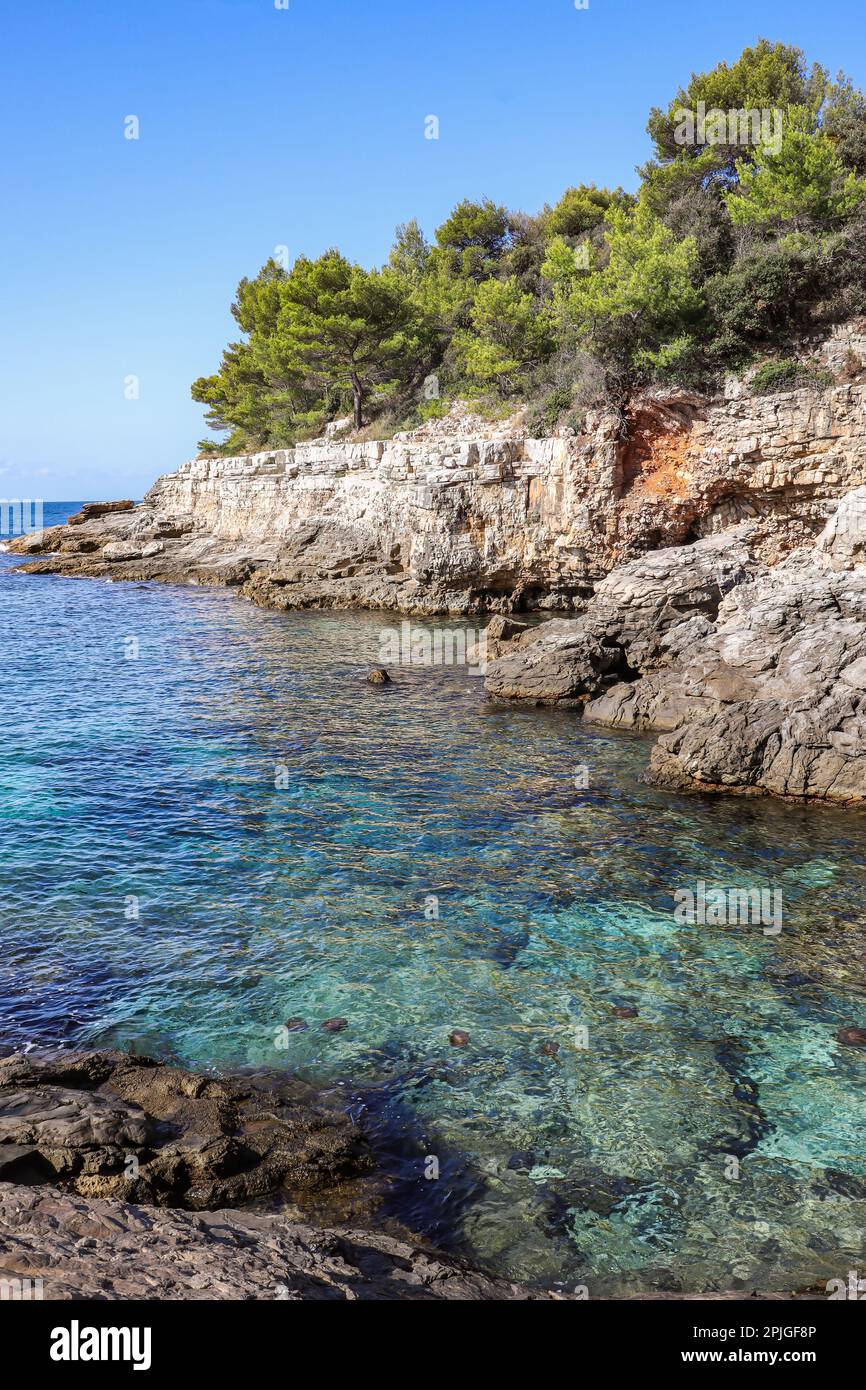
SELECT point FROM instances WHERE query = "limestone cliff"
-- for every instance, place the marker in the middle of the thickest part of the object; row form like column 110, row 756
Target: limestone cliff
column 461, row 516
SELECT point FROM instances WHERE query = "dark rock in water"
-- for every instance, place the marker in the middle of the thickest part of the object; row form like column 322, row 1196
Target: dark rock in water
column 458, row 1038
column 846, row 1184
column 496, row 943
column 335, row 1025
column 598, row 1192
column 549, row 1049
column 521, row 1162
column 378, row 676
column 295, row 1025
column 732, row 1055
column 198, row 1141
column 625, row 1011
column 851, row 1036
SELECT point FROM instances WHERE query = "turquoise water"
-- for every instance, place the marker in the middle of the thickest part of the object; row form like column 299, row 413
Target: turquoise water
column 160, row 892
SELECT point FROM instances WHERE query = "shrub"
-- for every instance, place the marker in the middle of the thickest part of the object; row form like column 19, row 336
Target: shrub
column 544, row 414
column 765, row 295
column 788, row 375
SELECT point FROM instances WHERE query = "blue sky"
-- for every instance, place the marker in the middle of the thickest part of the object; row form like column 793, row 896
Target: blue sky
column 301, row 127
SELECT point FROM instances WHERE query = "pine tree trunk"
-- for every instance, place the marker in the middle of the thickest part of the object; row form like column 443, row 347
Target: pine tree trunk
column 357, row 402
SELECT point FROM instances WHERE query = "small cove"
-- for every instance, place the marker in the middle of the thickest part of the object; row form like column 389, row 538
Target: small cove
column 429, row 863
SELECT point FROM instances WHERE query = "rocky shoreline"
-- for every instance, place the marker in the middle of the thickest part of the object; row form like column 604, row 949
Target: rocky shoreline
column 754, row 678
column 123, row 1177
column 708, row 577
column 468, row 516
column 743, row 649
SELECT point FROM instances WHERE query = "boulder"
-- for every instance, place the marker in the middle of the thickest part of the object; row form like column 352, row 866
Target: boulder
column 562, row 664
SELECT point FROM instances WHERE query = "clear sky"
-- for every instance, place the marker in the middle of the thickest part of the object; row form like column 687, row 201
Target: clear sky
column 302, row 127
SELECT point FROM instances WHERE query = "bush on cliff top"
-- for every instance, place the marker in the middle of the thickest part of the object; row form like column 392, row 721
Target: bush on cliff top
column 747, row 228
column 787, row 375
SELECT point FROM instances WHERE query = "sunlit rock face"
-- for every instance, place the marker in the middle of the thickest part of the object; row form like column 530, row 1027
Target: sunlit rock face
column 466, row 516
column 755, row 677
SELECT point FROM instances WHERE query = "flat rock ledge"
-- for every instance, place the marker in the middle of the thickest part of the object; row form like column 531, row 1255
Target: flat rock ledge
column 105, row 1124
column 90, row 1248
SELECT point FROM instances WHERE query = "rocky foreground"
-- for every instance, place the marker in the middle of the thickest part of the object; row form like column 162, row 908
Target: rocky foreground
column 90, row 1248
column 121, row 1177
column 125, row 1178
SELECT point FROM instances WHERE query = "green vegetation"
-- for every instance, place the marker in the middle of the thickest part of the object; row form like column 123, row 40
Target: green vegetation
column 746, row 230
column 787, row 375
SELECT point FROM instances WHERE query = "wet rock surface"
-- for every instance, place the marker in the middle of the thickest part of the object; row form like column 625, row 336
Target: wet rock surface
column 754, row 678
column 104, row 1124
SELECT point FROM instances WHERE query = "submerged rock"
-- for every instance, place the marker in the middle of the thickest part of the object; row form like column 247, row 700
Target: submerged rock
column 521, row 1162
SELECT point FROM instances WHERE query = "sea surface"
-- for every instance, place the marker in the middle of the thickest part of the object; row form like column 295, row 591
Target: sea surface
column 211, row 824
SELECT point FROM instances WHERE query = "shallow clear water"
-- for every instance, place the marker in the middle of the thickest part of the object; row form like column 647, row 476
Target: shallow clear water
column 148, row 785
